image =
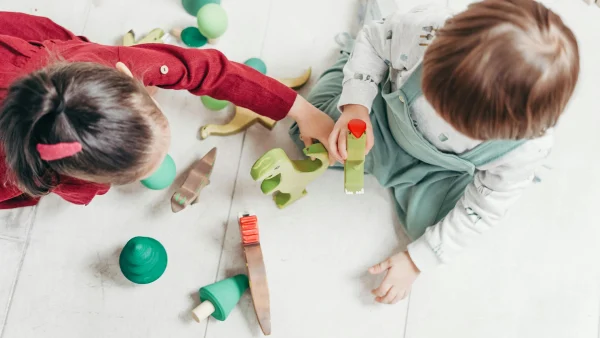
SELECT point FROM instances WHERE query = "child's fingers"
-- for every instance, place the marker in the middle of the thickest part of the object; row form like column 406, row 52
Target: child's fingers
column 342, row 144
column 333, row 148
column 307, row 143
column 382, row 290
column 400, row 296
column 390, row 296
column 381, row 267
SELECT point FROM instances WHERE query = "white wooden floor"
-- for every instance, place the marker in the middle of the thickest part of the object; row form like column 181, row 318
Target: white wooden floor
column 537, row 275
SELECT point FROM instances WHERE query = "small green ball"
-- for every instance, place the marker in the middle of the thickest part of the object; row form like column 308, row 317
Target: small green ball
column 163, row 176
column 191, row 37
column 257, row 64
column 213, row 104
column 212, row 21
column 193, row 6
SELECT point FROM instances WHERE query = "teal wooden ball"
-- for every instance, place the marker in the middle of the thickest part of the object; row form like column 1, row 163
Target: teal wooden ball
column 212, row 21
column 163, row 176
column 213, row 104
column 192, row 38
column 257, row 64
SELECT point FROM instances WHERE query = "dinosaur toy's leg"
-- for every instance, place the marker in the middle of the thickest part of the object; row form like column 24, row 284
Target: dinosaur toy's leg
column 242, row 119
column 282, row 199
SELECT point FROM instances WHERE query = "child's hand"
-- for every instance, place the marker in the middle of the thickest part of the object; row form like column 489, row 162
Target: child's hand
column 401, row 273
column 337, row 138
column 313, row 124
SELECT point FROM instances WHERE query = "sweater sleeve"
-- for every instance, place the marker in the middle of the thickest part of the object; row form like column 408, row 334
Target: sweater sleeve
column 33, row 28
column 366, row 66
column 208, row 72
column 497, row 186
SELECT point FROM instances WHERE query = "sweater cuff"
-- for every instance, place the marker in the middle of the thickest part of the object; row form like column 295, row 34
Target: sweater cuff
column 356, row 91
column 423, row 255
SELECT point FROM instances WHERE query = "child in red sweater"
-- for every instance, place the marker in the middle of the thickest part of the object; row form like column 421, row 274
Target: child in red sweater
column 75, row 126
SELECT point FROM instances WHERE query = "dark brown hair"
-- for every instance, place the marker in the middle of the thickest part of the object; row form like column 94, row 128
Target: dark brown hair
column 108, row 112
column 502, row 69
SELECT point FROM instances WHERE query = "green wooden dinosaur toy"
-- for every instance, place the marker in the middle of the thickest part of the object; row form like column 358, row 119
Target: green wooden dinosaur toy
column 354, row 167
column 288, row 178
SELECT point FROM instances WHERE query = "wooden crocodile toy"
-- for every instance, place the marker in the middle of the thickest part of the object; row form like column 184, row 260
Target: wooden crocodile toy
column 244, row 118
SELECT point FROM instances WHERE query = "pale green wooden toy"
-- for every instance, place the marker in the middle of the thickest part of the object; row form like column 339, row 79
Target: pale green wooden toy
column 288, row 178
column 354, row 167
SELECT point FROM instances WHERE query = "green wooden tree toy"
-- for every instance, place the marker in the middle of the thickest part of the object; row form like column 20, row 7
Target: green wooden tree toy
column 354, row 167
column 218, row 299
column 143, row 260
column 286, row 178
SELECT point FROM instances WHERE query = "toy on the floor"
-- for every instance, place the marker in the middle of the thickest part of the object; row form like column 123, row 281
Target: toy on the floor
column 218, row 299
column 155, row 36
column 191, row 37
column 163, row 176
column 257, row 273
column 244, row 118
column 257, row 64
column 198, row 178
column 143, row 260
column 213, row 104
column 193, row 6
column 354, row 167
column 212, row 21
column 289, row 178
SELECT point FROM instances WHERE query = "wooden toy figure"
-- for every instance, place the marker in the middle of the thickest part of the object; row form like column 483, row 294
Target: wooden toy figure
column 257, row 274
column 198, row 178
column 354, row 167
column 143, row 260
column 287, row 178
column 244, row 118
column 218, row 299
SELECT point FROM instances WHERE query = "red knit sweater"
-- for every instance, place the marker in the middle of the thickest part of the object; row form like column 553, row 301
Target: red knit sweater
column 27, row 43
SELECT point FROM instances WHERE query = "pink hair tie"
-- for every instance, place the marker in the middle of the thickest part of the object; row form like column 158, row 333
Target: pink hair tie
column 51, row 152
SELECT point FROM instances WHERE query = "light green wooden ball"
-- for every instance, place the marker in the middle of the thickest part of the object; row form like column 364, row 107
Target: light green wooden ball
column 212, row 21
column 213, row 104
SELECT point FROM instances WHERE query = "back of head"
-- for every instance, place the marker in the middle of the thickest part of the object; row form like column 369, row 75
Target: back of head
column 107, row 112
column 502, row 69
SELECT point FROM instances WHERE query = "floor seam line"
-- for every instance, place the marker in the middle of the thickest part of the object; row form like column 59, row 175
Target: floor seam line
column 406, row 317
column 12, row 239
column 19, row 268
column 228, row 217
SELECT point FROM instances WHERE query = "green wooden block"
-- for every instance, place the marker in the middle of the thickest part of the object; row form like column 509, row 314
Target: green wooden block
column 287, row 179
column 354, row 167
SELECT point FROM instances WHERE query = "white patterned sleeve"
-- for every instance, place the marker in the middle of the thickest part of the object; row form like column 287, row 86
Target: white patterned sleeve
column 496, row 187
column 366, row 66
column 398, row 41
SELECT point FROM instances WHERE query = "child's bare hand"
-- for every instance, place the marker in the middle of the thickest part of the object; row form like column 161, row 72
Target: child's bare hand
column 401, row 272
column 337, row 138
column 313, row 124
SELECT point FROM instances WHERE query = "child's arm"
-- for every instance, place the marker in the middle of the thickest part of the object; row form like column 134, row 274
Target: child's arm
column 393, row 44
column 496, row 188
column 33, row 28
column 208, row 72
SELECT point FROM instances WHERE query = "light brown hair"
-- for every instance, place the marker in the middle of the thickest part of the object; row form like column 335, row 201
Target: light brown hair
column 502, row 69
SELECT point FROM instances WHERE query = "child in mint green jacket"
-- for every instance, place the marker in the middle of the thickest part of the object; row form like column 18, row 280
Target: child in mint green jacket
column 460, row 111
